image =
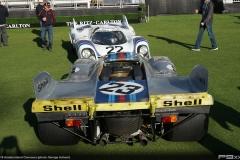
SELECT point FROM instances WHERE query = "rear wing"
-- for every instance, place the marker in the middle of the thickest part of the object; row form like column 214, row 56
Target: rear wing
column 125, row 21
column 74, row 23
column 199, row 79
column 43, row 85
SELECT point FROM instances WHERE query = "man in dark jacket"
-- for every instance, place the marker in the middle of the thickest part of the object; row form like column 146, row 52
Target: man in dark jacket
column 39, row 8
column 206, row 22
column 48, row 19
column 3, row 33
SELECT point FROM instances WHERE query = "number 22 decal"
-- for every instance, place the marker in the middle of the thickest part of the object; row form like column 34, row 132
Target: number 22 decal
column 121, row 88
column 112, row 48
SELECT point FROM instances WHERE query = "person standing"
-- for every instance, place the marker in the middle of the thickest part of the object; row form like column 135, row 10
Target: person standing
column 206, row 23
column 48, row 19
column 39, row 8
column 3, row 33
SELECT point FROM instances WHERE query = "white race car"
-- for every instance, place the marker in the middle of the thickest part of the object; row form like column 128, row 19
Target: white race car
column 94, row 41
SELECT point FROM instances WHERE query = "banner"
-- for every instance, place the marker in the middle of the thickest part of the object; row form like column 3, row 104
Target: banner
column 64, row 24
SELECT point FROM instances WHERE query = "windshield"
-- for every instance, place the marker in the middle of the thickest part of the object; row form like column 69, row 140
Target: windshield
column 109, row 38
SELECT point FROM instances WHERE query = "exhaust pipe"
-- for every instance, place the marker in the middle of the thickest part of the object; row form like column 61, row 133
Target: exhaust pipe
column 103, row 140
column 143, row 139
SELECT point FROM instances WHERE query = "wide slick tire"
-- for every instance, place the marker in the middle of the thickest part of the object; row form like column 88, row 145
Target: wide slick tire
column 193, row 129
column 51, row 134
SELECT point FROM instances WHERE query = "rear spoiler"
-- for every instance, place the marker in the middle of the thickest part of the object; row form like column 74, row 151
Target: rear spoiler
column 74, row 23
column 124, row 23
column 43, row 85
column 199, row 79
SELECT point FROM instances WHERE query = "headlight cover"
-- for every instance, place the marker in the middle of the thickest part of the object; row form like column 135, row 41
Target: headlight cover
column 88, row 53
column 143, row 51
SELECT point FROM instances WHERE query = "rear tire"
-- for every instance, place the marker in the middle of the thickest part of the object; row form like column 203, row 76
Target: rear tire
column 192, row 130
column 51, row 134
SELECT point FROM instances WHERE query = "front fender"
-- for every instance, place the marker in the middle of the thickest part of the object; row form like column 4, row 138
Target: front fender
column 83, row 44
column 140, row 41
column 137, row 41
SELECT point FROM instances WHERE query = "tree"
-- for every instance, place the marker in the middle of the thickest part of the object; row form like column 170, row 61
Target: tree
column 142, row 12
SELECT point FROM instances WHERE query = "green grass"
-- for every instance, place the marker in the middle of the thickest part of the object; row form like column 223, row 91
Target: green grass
column 170, row 36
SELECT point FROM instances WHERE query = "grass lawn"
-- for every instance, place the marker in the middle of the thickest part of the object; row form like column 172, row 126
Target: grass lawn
column 170, row 36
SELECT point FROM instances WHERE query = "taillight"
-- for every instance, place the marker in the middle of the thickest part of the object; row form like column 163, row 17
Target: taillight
column 73, row 122
column 169, row 119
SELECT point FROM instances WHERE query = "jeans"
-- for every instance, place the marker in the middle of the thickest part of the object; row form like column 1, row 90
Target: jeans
column 44, row 30
column 3, row 35
column 210, row 34
column 40, row 22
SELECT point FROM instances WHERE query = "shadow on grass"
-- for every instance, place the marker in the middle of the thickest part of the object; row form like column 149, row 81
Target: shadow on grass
column 9, row 146
column 29, row 116
column 37, row 32
column 238, row 18
column 38, row 39
column 64, row 76
column 72, row 56
column 217, row 147
column 186, row 45
column 222, row 114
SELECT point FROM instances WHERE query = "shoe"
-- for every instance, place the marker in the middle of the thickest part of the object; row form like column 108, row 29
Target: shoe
column 195, row 49
column 213, row 49
column 50, row 49
column 44, row 47
column 6, row 45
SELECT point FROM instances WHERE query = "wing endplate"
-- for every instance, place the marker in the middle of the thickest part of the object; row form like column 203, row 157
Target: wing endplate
column 43, row 85
column 199, row 79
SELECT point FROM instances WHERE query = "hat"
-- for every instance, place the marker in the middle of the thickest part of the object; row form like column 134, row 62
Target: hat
column 48, row 4
column 40, row 1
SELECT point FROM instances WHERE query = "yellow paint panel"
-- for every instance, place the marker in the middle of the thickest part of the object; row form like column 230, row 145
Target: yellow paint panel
column 63, row 105
column 122, row 106
column 183, row 100
column 156, row 101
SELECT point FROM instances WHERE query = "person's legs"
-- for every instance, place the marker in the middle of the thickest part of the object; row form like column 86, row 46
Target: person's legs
column 43, row 36
column 199, row 38
column 0, row 36
column 4, row 35
column 211, row 36
column 40, row 21
column 50, row 37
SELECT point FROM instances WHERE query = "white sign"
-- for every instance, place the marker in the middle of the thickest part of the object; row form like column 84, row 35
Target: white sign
column 18, row 25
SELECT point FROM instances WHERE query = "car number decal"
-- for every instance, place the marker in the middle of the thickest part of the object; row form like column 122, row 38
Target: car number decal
column 121, row 88
column 112, row 48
